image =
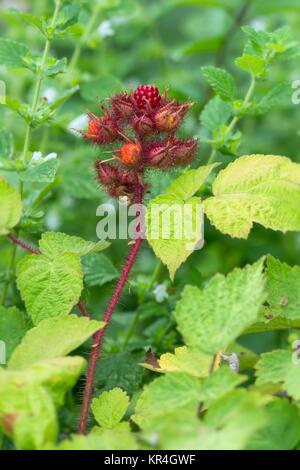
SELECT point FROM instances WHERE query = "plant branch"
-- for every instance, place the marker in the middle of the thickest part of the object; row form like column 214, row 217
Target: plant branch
column 98, row 337
column 221, row 53
column 24, row 245
column 235, row 119
column 38, row 85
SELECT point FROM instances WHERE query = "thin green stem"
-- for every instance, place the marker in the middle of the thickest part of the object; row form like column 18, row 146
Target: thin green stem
column 83, row 39
column 236, row 119
column 38, row 85
column 34, row 105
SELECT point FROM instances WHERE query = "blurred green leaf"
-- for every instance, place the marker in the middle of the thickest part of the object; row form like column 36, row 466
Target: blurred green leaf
column 221, row 82
column 54, row 243
column 278, row 367
column 12, row 53
column 100, row 88
column 12, row 328
column 211, row 318
column 215, row 113
column 6, row 144
column 42, row 173
column 98, row 270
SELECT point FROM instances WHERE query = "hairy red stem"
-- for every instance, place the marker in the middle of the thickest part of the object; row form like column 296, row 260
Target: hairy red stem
column 83, row 310
column 36, row 251
column 24, row 245
column 98, row 337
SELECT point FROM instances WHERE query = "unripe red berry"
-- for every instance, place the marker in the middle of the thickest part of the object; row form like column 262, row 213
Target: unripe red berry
column 107, row 174
column 122, row 106
column 130, row 153
column 169, row 117
column 147, row 94
column 101, row 130
column 143, row 125
column 184, row 151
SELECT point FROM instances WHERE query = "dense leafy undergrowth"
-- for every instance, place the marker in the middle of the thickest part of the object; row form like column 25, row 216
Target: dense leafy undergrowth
column 202, row 351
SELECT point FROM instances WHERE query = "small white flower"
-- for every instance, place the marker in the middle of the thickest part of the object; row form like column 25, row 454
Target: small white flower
column 105, row 29
column 53, row 220
column 80, row 122
column 160, row 293
column 50, row 94
column 37, row 156
column 259, row 24
column 50, row 156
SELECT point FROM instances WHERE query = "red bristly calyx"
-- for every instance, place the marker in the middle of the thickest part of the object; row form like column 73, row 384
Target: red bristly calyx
column 142, row 124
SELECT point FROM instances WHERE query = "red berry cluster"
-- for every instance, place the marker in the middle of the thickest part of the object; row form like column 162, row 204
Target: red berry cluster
column 146, row 95
column 143, row 124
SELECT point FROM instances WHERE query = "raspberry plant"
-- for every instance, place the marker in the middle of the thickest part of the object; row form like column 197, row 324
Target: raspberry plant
column 152, row 344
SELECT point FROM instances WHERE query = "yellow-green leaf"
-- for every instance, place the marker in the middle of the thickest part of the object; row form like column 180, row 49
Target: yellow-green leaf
column 10, row 207
column 259, row 188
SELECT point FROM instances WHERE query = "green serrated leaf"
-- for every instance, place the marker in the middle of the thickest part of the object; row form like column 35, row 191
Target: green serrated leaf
column 187, row 184
column 27, row 415
column 216, row 113
column 12, row 53
column 55, row 66
column 211, row 318
column 12, row 328
column 165, row 393
column 252, row 64
column 52, row 338
column 256, row 188
column 221, row 82
column 219, row 383
column 30, row 19
column 184, row 360
column 174, row 237
column 57, row 376
column 283, row 285
column 110, row 407
column 119, row 438
column 232, row 421
column 278, row 94
column 43, row 173
column 50, row 287
column 279, row 367
column 282, row 430
column 174, row 228
column 121, row 369
column 6, row 144
column 54, row 243
column 98, row 270
column 10, row 207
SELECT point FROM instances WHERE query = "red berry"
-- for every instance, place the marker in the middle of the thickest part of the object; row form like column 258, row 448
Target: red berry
column 147, row 94
column 130, row 153
column 101, row 130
